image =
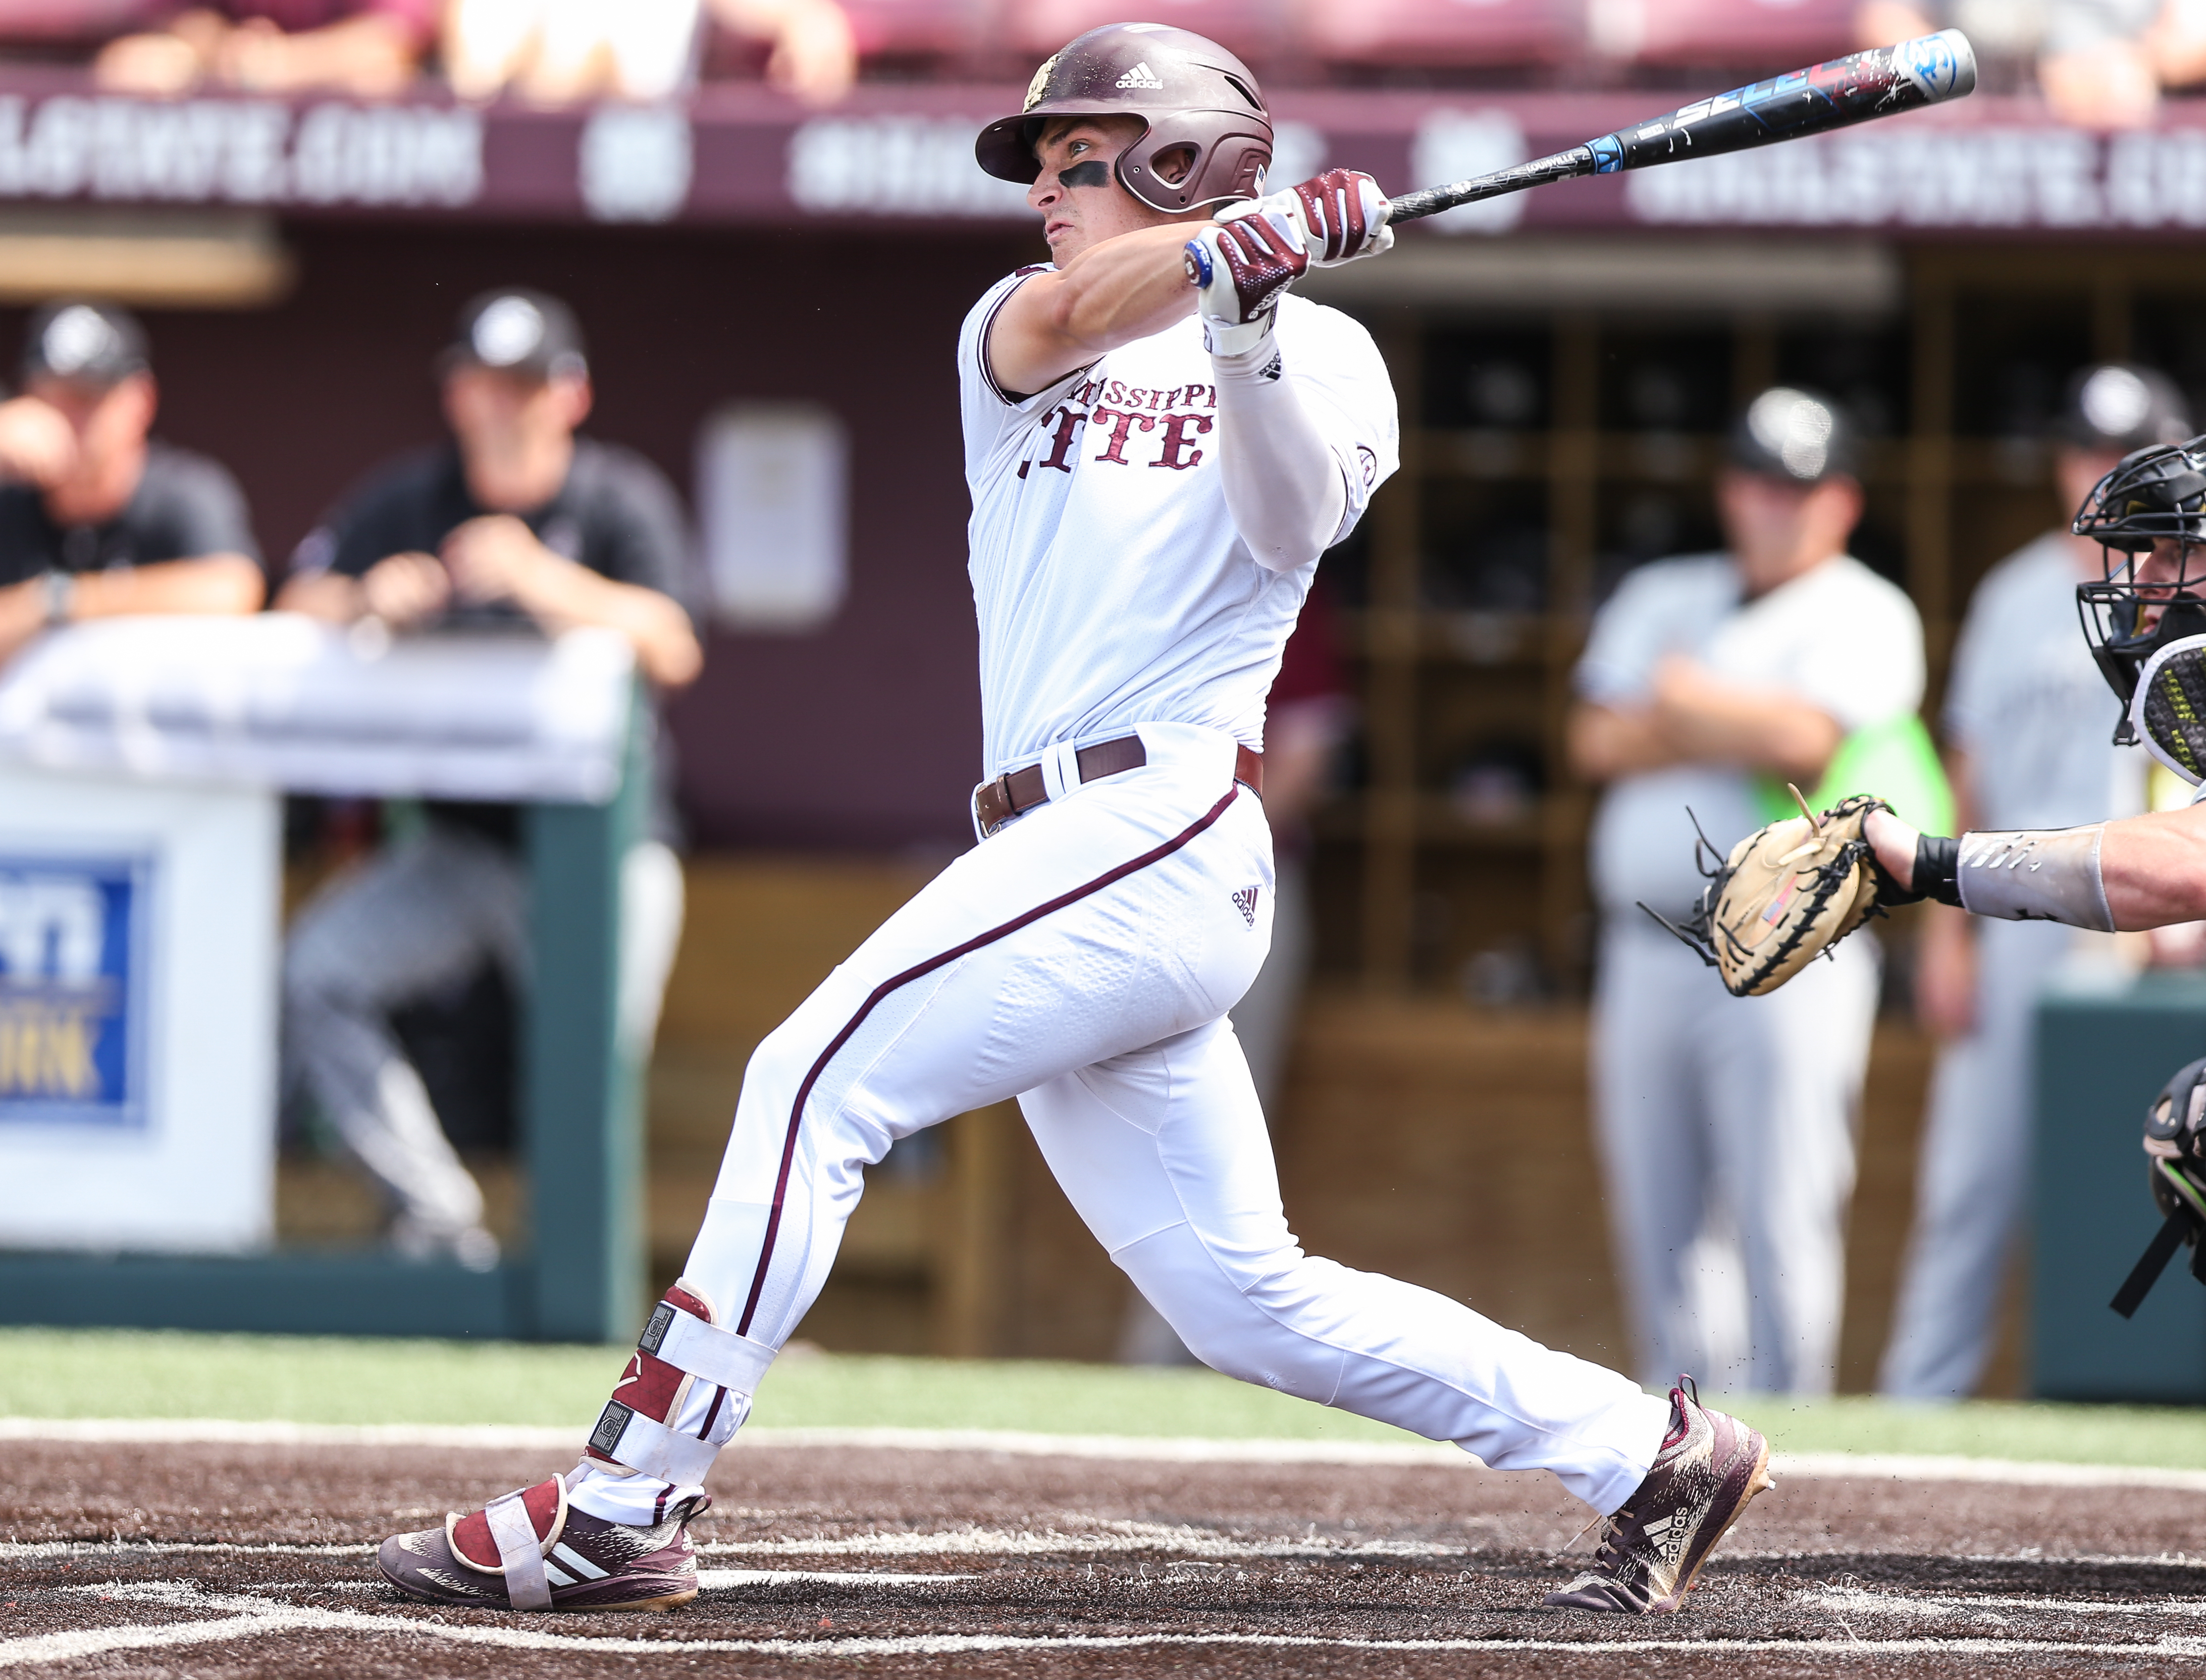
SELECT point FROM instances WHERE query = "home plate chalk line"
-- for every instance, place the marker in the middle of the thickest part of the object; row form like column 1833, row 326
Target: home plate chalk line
column 1896, row 1467
column 238, row 1617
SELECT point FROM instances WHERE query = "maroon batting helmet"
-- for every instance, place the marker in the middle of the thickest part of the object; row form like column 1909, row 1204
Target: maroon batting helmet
column 1194, row 99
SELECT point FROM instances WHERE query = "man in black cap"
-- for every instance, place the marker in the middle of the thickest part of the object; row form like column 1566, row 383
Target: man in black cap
column 2028, row 746
column 516, row 524
column 97, row 519
column 1726, row 1127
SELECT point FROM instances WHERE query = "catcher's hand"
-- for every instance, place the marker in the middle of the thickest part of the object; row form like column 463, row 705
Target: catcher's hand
column 1786, row 894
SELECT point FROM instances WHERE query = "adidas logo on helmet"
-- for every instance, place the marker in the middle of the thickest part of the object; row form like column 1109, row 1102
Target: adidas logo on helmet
column 1141, row 76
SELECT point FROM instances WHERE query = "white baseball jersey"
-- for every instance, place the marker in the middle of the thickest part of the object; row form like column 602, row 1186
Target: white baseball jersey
column 1082, row 959
column 1112, row 586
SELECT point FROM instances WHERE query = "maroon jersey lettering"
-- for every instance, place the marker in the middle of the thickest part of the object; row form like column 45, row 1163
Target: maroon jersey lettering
column 1125, row 421
column 1179, row 452
column 1068, row 419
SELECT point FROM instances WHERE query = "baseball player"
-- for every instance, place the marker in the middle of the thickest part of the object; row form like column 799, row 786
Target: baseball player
column 1160, row 441
column 2027, row 748
column 1787, row 893
column 1728, row 1133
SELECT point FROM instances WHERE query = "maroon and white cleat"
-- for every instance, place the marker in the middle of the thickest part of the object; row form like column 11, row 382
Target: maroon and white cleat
column 1709, row 1466
column 531, row 1550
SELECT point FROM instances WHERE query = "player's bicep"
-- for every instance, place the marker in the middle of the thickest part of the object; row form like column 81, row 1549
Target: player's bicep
column 1025, row 346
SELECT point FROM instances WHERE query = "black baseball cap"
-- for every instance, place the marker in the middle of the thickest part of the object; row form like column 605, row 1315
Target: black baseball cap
column 2117, row 407
column 75, row 338
column 1800, row 436
column 516, row 331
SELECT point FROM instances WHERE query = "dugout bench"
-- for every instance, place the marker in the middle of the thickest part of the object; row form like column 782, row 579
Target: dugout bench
column 580, row 1276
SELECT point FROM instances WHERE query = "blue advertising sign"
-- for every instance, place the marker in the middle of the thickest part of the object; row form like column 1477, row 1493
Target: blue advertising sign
column 73, row 989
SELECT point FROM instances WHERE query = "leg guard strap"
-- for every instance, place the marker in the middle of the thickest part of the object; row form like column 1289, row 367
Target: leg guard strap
column 627, row 1437
column 702, row 1348
column 520, row 1551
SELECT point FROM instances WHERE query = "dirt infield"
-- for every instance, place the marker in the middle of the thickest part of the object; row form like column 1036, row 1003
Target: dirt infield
column 242, row 1560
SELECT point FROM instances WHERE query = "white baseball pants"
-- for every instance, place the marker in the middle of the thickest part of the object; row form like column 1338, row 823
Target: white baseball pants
column 1082, row 959
column 1726, row 1127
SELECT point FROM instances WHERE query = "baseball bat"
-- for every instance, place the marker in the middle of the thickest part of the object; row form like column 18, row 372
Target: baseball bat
column 1860, row 87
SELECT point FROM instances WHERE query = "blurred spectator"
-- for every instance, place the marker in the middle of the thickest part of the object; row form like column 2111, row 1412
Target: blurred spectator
column 2028, row 729
column 97, row 519
column 561, row 51
column 1306, row 717
column 368, row 48
column 1726, row 1125
column 2101, row 63
column 516, row 523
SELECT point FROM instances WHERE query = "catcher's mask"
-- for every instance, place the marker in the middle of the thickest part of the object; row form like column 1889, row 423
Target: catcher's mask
column 1207, row 136
column 2175, row 1149
column 2149, row 517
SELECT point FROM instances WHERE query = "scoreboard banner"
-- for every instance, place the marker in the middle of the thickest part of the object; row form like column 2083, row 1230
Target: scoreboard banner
column 739, row 154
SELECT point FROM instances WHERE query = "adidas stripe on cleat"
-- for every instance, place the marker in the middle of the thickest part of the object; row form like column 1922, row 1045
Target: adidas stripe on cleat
column 1651, row 1550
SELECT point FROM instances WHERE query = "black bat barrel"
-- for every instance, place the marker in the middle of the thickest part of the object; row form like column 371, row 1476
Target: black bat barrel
column 1858, row 88
column 1882, row 81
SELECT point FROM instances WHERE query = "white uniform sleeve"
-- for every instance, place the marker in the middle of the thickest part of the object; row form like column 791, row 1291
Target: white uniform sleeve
column 1970, row 693
column 1665, row 607
column 991, row 413
column 1337, row 371
column 1864, row 665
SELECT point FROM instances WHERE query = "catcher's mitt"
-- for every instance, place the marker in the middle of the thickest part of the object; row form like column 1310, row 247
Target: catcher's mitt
column 1785, row 895
column 2175, row 1151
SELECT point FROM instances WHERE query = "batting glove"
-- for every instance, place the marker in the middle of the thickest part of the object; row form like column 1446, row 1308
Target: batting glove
column 1340, row 214
column 1239, row 269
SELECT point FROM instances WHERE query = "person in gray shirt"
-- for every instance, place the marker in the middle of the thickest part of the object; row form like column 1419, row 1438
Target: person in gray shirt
column 2028, row 730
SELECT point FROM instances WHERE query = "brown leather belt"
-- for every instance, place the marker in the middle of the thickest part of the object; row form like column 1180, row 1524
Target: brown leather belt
column 995, row 804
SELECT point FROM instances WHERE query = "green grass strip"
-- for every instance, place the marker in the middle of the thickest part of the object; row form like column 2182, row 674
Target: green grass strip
column 341, row 1380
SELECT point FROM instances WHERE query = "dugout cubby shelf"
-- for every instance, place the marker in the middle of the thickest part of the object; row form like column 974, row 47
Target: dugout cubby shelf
column 1543, row 454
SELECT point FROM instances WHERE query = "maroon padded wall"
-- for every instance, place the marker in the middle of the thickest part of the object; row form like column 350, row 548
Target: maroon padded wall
column 864, row 735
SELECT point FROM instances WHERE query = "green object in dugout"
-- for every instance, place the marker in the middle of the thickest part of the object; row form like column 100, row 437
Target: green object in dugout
column 1897, row 761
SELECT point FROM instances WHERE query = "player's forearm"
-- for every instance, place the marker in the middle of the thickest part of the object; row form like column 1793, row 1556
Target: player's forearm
column 23, row 609
column 1283, row 485
column 1750, row 729
column 564, row 596
column 2154, row 868
column 1607, row 742
column 218, row 584
column 332, row 597
column 1111, row 294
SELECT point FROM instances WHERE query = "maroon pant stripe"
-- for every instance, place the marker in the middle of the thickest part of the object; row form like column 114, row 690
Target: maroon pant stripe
column 917, row 971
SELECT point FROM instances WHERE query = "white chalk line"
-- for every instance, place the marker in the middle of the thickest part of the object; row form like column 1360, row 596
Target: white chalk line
column 1119, row 1539
column 1852, row 1599
column 1821, row 1465
column 243, row 1619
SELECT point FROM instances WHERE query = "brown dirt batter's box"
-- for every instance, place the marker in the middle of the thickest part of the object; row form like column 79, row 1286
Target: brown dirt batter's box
column 127, row 1559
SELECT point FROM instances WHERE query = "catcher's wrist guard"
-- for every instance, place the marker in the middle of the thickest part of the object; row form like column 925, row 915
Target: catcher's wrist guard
column 2175, row 1148
column 1937, row 869
column 2035, row 874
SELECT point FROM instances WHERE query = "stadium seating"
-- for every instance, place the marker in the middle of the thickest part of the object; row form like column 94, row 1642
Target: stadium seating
column 914, row 29
column 53, row 22
column 1450, row 33
column 1248, row 27
column 1750, row 34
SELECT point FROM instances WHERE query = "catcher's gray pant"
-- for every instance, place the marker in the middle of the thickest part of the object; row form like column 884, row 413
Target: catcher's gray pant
column 1082, row 959
column 418, row 919
column 1726, row 1128
column 1973, row 1176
